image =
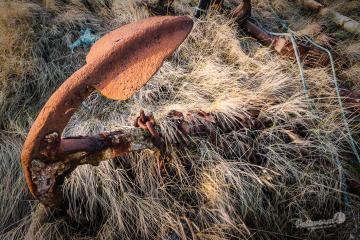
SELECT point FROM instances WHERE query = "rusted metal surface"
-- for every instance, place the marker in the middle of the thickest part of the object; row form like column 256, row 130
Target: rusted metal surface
column 161, row 7
column 183, row 127
column 202, row 8
column 309, row 56
column 243, row 11
column 118, row 65
column 260, row 34
column 204, row 5
column 137, row 50
column 48, row 174
column 147, row 123
column 201, row 123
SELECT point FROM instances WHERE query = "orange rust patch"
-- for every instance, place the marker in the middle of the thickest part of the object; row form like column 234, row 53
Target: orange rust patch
column 138, row 51
column 119, row 64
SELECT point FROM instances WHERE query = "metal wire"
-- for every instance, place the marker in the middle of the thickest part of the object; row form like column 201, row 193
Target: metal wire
column 353, row 143
column 290, row 34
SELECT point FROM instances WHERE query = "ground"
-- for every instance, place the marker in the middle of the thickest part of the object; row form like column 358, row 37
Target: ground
column 253, row 182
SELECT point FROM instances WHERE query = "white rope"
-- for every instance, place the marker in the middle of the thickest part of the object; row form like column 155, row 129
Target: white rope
column 343, row 115
column 290, row 34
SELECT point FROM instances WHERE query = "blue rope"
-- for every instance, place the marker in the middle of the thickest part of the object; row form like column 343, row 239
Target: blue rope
column 86, row 38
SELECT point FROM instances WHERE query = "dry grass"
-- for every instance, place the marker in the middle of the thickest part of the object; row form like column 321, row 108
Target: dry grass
column 250, row 184
column 16, row 40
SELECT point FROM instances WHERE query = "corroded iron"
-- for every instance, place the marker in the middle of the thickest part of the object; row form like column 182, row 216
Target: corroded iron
column 309, row 56
column 204, row 5
column 117, row 66
column 242, row 13
column 161, row 7
column 282, row 45
column 47, row 174
column 182, row 128
column 147, row 123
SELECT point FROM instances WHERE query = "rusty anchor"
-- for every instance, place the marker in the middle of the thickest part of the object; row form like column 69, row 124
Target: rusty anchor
column 117, row 66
